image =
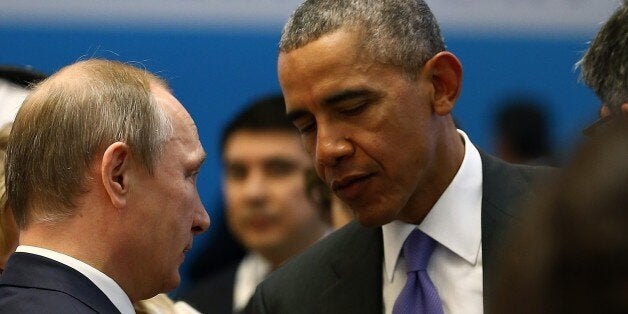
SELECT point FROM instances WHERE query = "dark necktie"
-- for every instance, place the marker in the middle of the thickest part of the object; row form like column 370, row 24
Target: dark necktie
column 419, row 294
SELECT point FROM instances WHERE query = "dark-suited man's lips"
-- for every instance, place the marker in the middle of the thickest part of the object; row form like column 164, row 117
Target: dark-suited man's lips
column 350, row 187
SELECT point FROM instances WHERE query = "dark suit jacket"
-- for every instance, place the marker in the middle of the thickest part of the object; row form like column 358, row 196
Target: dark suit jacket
column 343, row 272
column 214, row 295
column 35, row 284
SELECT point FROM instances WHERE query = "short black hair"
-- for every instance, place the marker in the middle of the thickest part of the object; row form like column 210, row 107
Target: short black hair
column 262, row 114
column 21, row 76
column 523, row 122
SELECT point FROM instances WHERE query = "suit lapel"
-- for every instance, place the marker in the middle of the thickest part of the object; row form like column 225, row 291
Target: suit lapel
column 496, row 191
column 34, row 271
column 505, row 188
column 358, row 267
column 358, row 262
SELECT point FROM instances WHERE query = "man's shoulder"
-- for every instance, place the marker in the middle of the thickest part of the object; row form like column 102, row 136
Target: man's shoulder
column 214, row 294
column 492, row 165
column 300, row 284
column 50, row 285
column 350, row 239
column 505, row 184
column 15, row 299
column 222, row 278
column 506, row 192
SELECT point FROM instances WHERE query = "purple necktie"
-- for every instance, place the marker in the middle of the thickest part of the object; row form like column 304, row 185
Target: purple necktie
column 419, row 294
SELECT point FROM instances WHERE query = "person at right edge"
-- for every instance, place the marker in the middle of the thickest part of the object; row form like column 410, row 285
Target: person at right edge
column 575, row 257
column 371, row 87
column 604, row 68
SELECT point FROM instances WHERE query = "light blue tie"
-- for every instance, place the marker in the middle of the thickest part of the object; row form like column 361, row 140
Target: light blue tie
column 419, row 294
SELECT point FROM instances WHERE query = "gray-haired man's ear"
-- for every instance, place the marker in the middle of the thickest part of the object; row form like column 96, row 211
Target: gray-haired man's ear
column 605, row 111
column 114, row 168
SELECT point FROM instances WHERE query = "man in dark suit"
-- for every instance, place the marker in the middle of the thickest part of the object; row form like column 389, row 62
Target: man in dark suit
column 101, row 168
column 267, row 208
column 371, row 88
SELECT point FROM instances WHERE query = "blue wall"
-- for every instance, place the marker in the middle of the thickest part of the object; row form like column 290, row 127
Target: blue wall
column 540, row 67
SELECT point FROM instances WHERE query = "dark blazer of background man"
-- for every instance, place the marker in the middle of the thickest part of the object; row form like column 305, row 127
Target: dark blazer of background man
column 101, row 168
column 371, row 88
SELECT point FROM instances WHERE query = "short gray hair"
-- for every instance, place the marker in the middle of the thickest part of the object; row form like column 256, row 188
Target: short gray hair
column 604, row 66
column 66, row 121
column 402, row 33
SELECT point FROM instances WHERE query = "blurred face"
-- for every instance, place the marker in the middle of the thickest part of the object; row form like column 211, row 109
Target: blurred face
column 264, row 187
column 371, row 132
column 168, row 209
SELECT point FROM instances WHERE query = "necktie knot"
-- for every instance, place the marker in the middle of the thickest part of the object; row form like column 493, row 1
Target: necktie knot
column 419, row 295
column 417, row 250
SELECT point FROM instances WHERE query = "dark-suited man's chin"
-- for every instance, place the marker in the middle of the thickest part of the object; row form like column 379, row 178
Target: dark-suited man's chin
column 372, row 218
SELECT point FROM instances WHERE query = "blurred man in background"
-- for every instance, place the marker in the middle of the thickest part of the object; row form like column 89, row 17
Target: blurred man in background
column 522, row 131
column 268, row 210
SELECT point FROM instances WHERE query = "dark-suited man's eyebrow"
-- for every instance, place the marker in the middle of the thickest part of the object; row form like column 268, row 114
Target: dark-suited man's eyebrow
column 334, row 99
column 345, row 95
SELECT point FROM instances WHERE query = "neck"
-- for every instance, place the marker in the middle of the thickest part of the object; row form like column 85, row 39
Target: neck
column 446, row 163
column 68, row 237
column 86, row 242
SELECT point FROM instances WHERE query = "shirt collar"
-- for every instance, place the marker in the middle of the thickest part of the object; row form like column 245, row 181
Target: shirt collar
column 107, row 285
column 454, row 221
column 251, row 271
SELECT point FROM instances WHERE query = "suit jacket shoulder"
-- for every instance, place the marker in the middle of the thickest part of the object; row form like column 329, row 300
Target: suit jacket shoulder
column 339, row 274
column 506, row 189
column 505, row 184
column 214, row 294
column 36, row 284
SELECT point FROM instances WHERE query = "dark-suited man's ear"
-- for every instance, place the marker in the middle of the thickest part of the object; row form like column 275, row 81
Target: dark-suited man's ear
column 114, row 172
column 446, row 76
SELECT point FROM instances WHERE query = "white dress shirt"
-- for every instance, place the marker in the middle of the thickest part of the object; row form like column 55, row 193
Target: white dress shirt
column 252, row 270
column 162, row 304
column 454, row 222
column 12, row 96
column 107, row 285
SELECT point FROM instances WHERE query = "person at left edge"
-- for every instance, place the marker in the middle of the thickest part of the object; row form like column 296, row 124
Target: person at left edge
column 101, row 169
